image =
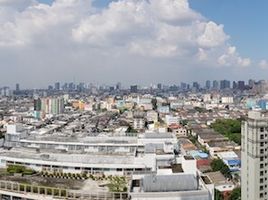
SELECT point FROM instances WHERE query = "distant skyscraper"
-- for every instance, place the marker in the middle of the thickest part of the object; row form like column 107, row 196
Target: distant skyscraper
column 196, row 85
column 71, row 86
column 159, row 86
column 183, row 86
column 134, row 88
column 215, row 84
column 81, row 87
column 224, row 84
column 234, row 85
column 65, row 86
column 208, row 84
column 118, row 86
column 241, row 85
column 17, row 87
column 57, row 86
column 111, row 88
column 251, row 83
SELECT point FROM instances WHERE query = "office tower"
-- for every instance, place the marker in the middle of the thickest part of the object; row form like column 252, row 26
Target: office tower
column 241, row 85
column 224, row 84
column 183, row 86
column 5, row 91
column 17, row 87
column 57, row 86
column 133, row 88
column 65, row 86
column 215, row 84
column 50, row 87
column 159, row 86
column 235, row 86
column 118, row 86
column 208, row 84
column 111, row 88
column 251, row 83
column 195, row 85
column 254, row 175
column 80, row 87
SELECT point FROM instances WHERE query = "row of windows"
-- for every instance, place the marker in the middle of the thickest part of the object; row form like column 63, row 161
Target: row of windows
column 77, row 168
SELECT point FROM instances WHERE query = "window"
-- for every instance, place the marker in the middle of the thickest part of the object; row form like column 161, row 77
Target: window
column 261, row 129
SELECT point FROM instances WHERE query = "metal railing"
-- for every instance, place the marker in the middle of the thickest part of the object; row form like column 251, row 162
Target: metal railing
column 58, row 193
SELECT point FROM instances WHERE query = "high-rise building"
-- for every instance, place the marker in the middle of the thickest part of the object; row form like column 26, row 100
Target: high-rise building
column 133, row 88
column 241, row 85
column 118, row 86
column 251, row 83
column 254, row 175
column 224, row 84
column 37, row 104
column 17, row 87
column 159, row 86
column 51, row 105
column 215, row 84
column 234, row 85
column 57, row 86
column 5, row 91
column 183, row 86
column 208, row 84
column 196, row 85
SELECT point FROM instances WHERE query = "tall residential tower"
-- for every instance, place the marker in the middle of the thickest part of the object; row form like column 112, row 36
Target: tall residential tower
column 254, row 153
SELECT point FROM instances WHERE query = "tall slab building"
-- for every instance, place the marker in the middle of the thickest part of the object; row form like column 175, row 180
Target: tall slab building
column 254, row 176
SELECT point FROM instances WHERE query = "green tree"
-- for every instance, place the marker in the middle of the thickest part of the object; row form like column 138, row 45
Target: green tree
column 218, row 195
column 117, row 184
column 219, row 165
column 230, row 128
column 236, row 194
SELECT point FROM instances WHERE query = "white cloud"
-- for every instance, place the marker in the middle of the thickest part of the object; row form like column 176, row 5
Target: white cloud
column 263, row 64
column 151, row 30
column 213, row 36
column 232, row 58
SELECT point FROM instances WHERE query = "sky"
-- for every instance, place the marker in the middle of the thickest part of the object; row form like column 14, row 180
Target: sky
column 131, row 41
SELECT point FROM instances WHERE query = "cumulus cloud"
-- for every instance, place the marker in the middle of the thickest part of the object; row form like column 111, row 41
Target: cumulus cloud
column 263, row 64
column 232, row 58
column 127, row 30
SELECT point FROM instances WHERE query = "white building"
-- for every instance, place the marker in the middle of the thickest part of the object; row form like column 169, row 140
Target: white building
column 227, row 100
column 254, row 156
column 182, row 184
column 172, row 120
column 138, row 123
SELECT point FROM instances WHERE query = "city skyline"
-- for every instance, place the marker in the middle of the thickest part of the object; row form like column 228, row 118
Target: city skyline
column 135, row 42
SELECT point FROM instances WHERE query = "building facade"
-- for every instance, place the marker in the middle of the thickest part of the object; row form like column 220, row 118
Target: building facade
column 254, row 156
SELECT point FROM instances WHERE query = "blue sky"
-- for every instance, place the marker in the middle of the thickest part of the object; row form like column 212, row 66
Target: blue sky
column 244, row 21
column 221, row 39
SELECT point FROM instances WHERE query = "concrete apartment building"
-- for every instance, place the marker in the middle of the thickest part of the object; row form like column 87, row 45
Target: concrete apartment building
column 254, row 156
